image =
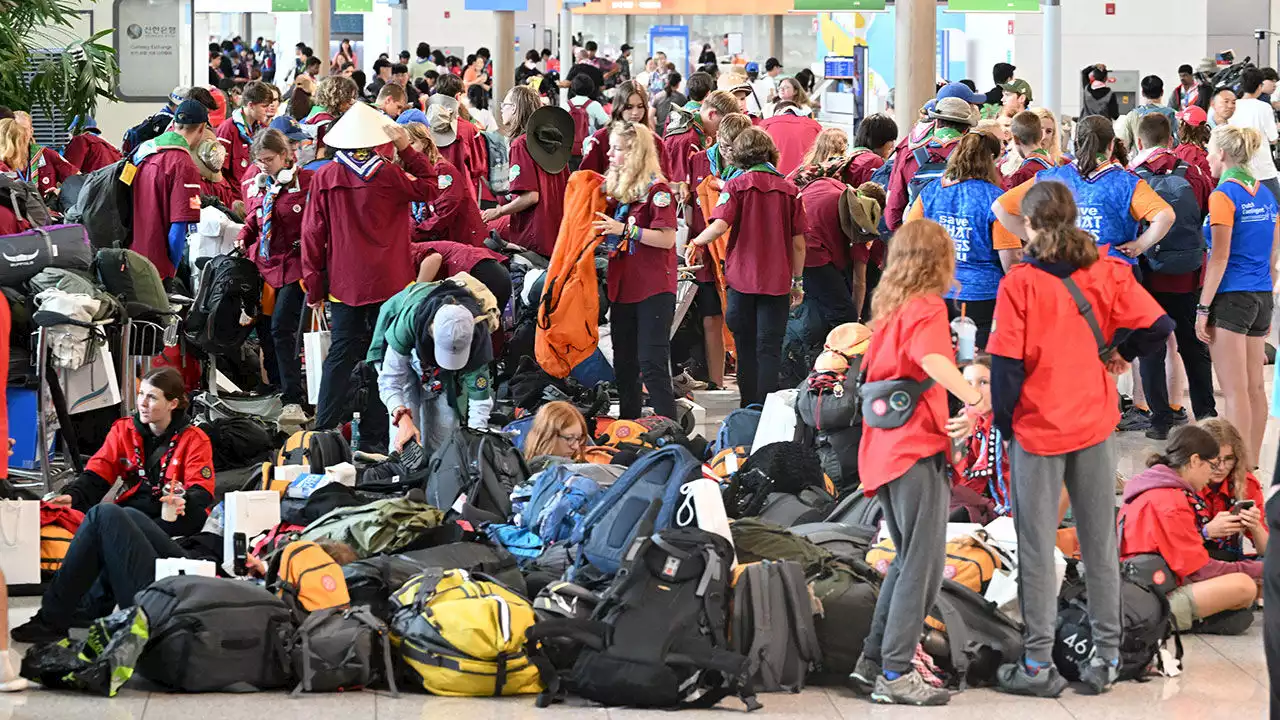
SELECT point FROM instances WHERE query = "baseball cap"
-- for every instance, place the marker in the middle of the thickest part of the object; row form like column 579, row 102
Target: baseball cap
column 191, row 112
column 413, row 115
column 1018, row 86
column 625, row 47
column 962, row 91
column 290, row 128
column 452, row 329
column 179, row 93
column 753, row 67
column 1193, row 115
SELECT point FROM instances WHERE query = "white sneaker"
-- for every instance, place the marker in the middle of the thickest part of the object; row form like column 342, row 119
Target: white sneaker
column 10, row 680
column 293, row 414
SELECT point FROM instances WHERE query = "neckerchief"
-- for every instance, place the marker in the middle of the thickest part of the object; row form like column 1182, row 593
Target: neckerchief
column 364, row 163
column 1240, row 175
column 1189, row 95
column 165, row 141
column 764, row 168
column 943, row 135
column 272, row 189
column 618, row 244
column 419, row 210
column 237, row 117
column 1232, row 543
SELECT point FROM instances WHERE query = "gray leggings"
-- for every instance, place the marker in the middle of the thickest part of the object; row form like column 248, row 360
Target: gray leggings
column 1089, row 476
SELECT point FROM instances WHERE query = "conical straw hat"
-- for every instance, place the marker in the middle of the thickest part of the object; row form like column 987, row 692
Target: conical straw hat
column 360, row 127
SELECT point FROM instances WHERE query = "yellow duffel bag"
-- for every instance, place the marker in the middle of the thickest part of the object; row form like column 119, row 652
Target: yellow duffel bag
column 970, row 561
column 463, row 633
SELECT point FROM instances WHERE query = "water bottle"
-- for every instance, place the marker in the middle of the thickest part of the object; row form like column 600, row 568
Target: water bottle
column 355, row 433
column 966, row 338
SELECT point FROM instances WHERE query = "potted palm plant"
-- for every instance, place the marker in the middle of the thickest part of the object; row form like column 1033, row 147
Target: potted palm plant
column 43, row 66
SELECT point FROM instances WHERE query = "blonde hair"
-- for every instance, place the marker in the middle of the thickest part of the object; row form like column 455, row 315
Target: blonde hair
column 418, row 133
column 921, row 262
column 731, row 126
column 1054, row 147
column 552, row 420
column 830, row 143
column 1238, row 143
column 15, row 144
column 629, row 180
column 723, row 102
column 526, row 102
column 1226, row 434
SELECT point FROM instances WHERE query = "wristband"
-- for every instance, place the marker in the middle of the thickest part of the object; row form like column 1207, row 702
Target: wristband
column 797, row 283
column 1202, row 309
column 400, row 413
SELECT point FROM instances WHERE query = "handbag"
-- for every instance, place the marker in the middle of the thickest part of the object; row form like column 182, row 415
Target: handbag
column 315, row 346
column 20, row 541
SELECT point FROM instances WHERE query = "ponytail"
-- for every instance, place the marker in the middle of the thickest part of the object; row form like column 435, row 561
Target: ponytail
column 1094, row 136
column 1239, row 144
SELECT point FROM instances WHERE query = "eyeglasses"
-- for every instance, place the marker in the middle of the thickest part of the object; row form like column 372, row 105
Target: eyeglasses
column 573, row 440
column 1217, row 463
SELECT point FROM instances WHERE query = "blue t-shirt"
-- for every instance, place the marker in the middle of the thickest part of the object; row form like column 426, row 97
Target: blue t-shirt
column 1252, row 232
column 963, row 209
column 1103, row 201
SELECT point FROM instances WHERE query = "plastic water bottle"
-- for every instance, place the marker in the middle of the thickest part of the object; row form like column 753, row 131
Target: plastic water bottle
column 966, row 338
column 355, row 432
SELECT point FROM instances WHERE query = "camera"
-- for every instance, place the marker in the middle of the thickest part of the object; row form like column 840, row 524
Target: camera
column 1260, row 34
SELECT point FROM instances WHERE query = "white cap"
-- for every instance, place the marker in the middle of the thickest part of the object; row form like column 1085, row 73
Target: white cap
column 452, row 329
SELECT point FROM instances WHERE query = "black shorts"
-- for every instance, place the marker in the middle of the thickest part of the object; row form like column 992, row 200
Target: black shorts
column 1246, row 313
column 708, row 300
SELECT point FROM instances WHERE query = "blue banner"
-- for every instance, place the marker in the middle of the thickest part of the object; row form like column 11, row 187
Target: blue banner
column 516, row 5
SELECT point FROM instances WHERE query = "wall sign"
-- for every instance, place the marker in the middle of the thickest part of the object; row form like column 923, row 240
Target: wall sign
column 146, row 40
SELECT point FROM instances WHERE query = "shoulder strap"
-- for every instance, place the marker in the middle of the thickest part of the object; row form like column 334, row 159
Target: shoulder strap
column 922, row 156
column 1181, row 169
column 1086, row 311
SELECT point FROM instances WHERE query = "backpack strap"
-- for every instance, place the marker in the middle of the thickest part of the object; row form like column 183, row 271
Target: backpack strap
column 1086, row 311
column 921, row 154
column 362, row 615
column 800, row 607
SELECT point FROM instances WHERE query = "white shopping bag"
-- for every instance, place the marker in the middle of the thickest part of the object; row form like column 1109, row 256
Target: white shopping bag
column 20, row 541
column 702, row 505
column 777, row 420
column 315, row 346
column 170, row 567
column 250, row 512
column 93, row 385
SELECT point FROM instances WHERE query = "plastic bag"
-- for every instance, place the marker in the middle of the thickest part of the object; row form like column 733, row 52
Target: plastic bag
column 100, row 664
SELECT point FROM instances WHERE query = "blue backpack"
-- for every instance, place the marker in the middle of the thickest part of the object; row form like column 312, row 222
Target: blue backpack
column 1181, row 250
column 927, row 171
column 518, row 430
column 643, row 500
column 738, row 429
column 561, row 497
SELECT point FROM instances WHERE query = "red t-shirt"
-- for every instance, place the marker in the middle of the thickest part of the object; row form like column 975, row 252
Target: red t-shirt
column 677, row 152
column 166, row 190
column 454, row 213
column 1218, row 498
column 764, row 212
column 537, row 227
column 898, row 347
column 648, row 271
column 793, row 135
column 596, row 159
column 1068, row 399
column 825, row 241
column 699, row 169
column 455, row 257
column 88, row 152
column 282, row 264
column 861, row 167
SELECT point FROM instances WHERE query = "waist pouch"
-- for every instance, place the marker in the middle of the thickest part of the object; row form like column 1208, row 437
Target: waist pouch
column 889, row 404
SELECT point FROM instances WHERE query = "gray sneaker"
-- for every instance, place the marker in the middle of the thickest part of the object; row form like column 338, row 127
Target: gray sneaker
column 863, row 677
column 1014, row 679
column 909, row 689
column 1099, row 675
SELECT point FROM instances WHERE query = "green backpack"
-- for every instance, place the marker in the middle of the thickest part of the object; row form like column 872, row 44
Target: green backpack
column 382, row 527
column 133, row 278
column 755, row 540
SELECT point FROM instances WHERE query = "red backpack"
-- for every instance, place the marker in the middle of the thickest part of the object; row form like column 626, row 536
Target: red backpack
column 581, row 126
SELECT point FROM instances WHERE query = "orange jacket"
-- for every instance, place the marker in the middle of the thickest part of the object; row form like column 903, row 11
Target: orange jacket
column 708, row 195
column 569, row 313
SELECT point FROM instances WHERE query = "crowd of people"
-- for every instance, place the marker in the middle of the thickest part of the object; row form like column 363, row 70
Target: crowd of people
column 1141, row 244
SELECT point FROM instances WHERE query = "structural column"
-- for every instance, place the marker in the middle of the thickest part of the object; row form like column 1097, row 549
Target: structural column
column 504, row 65
column 1052, row 97
column 775, row 37
column 320, row 31
column 566, row 51
column 915, row 64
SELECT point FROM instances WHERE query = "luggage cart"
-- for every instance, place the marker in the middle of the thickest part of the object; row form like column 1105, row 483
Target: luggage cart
column 140, row 341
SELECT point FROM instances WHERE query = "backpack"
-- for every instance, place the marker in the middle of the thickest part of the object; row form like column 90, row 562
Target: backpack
column 307, row 579
column 24, row 200
column 383, row 526
column 969, row 637
column 837, row 452
column 882, row 174
column 238, row 442
column 828, row 401
column 581, row 126
column 333, row 650
column 560, row 498
column 846, row 595
column 927, row 171
column 213, row 634
column 847, row 542
column 133, row 279
column 771, row 622
column 463, row 634
column 970, row 561
column 855, row 508
column 810, row 505
column 25, row 254
column 499, row 149
column 756, row 541
column 152, row 127
column 226, row 306
column 1181, row 250
column 316, row 449
column 738, row 429
column 726, row 463
column 54, row 541
column 642, row 501
column 473, row 557
column 473, row 473
column 657, row 638
column 370, row 582
column 105, row 207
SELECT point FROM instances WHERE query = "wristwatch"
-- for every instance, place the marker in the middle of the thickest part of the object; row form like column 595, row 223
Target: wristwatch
column 797, row 283
column 1202, row 309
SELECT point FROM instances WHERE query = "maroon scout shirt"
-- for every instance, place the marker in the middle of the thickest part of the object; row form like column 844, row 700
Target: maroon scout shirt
column 793, row 135
column 282, row 264
column 52, row 170
column 765, row 212
column 355, row 231
column 166, row 190
column 648, row 271
column 88, row 152
column 825, row 241
column 862, row 165
column 461, row 152
column 456, row 257
column 233, row 137
column 699, row 169
column 454, row 213
column 597, row 157
column 678, row 152
column 1027, row 170
column 537, row 227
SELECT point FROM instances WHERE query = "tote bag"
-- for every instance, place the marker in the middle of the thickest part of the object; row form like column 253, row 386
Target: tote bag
column 315, row 346
column 20, row 541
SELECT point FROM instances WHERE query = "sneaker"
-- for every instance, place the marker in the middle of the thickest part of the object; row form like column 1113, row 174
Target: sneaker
column 685, row 384
column 1227, row 622
column 36, row 630
column 1099, row 675
column 1134, row 419
column 1014, row 679
column 1158, row 432
column 10, row 680
column 293, row 414
column 908, row 689
column 863, row 677
column 1179, row 416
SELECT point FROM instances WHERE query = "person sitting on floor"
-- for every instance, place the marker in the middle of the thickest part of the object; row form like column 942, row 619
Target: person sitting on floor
column 559, row 432
column 1226, row 500
column 1163, row 514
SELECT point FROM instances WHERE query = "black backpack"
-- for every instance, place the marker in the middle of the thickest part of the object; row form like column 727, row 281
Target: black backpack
column 482, row 467
column 810, row 505
column 969, row 637
column 24, row 200
column 780, row 468
column 230, row 290
column 105, row 207
column 212, row 634
column 658, row 636
column 371, row 582
column 238, row 442
column 152, row 127
column 1181, row 250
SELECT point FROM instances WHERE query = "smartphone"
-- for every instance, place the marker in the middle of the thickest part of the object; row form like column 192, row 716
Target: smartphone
column 240, row 548
column 1239, row 505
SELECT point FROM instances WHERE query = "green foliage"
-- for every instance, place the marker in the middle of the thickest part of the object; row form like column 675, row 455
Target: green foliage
column 72, row 82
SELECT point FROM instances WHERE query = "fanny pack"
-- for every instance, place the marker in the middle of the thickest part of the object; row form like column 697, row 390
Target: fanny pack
column 889, row 404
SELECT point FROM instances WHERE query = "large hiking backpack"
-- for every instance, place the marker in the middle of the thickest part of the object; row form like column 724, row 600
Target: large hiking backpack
column 212, row 634
column 738, row 429
column 24, row 200
column 846, row 595
column 336, row 650
column 105, row 207
column 657, row 638
column 383, row 526
column 771, row 622
column 561, row 497
column 855, row 508
column 133, row 279
column 1181, row 250
column 308, row 579
column 473, row 473
column 810, row 505
column 463, row 634
column 642, row 502
column 499, row 150
column 927, row 171
column 152, row 127
column 830, row 411
column 581, row 126
column 226, row 306
column 314, row 448
column 238, row 442
column 846, row 542
column 969, row 637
